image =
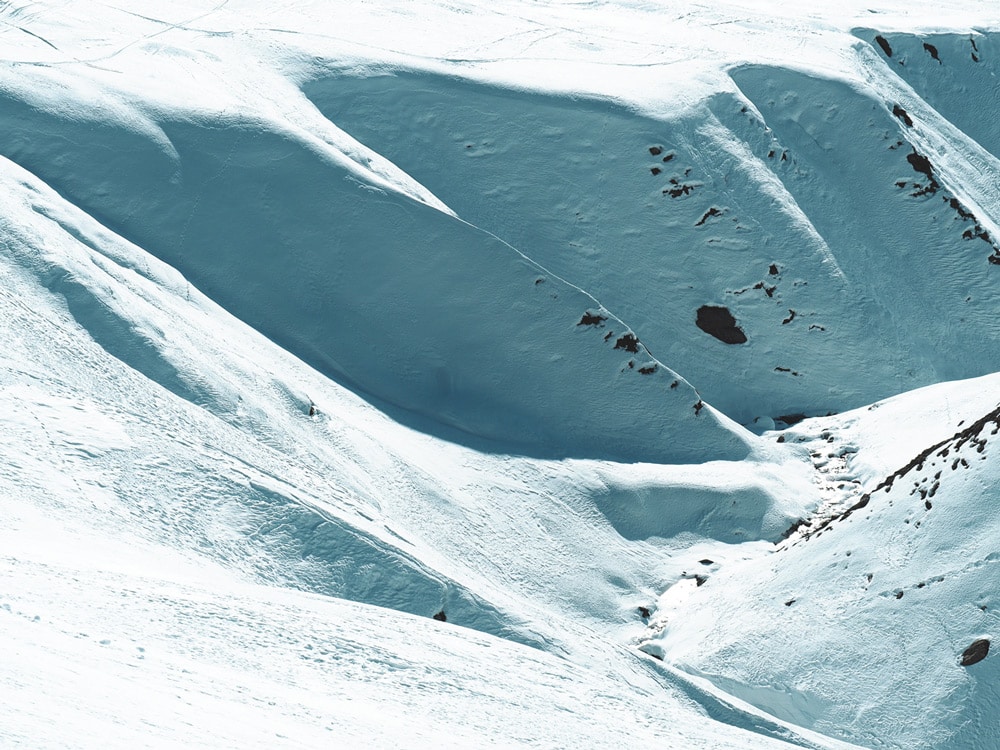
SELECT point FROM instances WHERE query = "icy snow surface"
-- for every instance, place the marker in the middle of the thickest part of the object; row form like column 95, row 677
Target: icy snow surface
column 320, row 319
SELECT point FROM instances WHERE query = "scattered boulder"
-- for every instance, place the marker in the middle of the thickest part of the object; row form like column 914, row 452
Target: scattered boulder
column 791, row 419
column 903, row 115
column 922, row 164
column 976, row 652
column 644, row 613
column 591, row 319
column 441, row 616
column 719, row 322
column 932, row 51
column 882, row 42
column 713, row 211
column 628, row 342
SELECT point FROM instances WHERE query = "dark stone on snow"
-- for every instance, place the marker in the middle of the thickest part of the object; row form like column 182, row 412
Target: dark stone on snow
column 961, row 210
column 441, row 616
column 699, row 580
column 795, row 527
column 628, row 342
column 644, row 613
column 698, row 407
column 713, row 211
column 902, row 114
column 706, row 561
column 922, row 164
column 720, row 323
column 932, row 51
column 591, row 319
column 791, row 419
column 655, row 150
column 648, row 370
column 790, row 602
column 677, row 192
column 773, row 270
column 976, row 652
column 882, row 42
column 655, row 170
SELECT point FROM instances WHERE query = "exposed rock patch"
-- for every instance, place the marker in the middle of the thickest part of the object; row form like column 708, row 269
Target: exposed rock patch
column 713, row 211
column 976, row 652
column 720, row 323
column 882, row 42
column 628, row 342
column 591, row 319
column 903, row 115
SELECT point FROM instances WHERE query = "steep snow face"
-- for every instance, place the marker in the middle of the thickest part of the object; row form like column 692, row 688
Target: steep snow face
column 663, row 189
column 858, row 623
column 739, row 206
column 396, row 298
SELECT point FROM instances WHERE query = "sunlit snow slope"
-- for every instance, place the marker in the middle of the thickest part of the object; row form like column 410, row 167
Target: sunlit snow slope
column 321, row 320
column 860, row 619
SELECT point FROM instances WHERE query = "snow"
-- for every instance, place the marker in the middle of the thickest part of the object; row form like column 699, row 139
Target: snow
column 475, row 238
column 865, row 616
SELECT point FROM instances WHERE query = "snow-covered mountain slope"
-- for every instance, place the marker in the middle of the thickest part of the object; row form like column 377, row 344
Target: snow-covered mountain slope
column 396, row 298
column 711, row 225
column 736, row 205
column 857, row 624
column 124, row 646
column 320, row 320
column 161, row 461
